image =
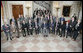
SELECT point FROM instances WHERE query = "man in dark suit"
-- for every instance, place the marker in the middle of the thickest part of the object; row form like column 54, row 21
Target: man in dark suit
column 39, row 24
column 54, row 19
column 62, row 26
column 57, row 27
column 72, row 26
column 24, row 28
column 75, row 16
column 67, row 29
column 27, row 27
column 30, row 24
column 52, row 27
column 77, row 30
column 6, row 29
column 61, row 19
column 48, row 23
column 37, row 18
column 36, row 27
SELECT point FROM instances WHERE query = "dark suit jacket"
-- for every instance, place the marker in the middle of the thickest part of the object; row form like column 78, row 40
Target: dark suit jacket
column 78, row 28
column 61, row 19
column 62, row 27
column 24, row 25
column 58, row 25
column 72, row 24
column 44, row 25
column 37, row 20
column 52, row 25
column 31, row 25
column 67, row 28
column 6, row 28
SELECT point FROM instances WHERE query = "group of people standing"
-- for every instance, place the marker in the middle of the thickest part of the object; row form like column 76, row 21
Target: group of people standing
column 43, row 22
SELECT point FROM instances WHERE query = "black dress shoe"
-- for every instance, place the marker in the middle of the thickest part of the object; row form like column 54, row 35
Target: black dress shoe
column 11, row 38
column 66, row 37
column 60, row 36
column 17, row 36
column 23, row 35
column 7, row 39
column 46, row 35
column 74, row 40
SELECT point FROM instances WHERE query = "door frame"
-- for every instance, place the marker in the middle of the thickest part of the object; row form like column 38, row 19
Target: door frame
column 17, row 5
column 10, row 8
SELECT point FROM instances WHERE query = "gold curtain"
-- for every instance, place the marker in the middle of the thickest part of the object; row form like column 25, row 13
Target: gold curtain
column 2, row 13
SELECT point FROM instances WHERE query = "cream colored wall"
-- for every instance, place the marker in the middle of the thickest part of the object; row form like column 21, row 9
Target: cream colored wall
column 10, row 3
column 80, row 14
column 30, row 4
column 5, row 8
column 37, row 6
column 74, row 8
column 7, row 5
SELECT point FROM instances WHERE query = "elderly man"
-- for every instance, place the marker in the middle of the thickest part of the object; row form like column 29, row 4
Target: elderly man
column 67, row 29
column 6, row 29
column 44, row 26
column 24, row 28
column 62, row 19
column 77, row 30
column 30, row 25
column 72, row 26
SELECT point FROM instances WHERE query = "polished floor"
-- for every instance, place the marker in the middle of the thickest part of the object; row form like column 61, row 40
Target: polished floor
column 39, row 43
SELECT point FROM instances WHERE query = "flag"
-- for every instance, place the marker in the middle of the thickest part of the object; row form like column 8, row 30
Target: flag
column 1, row 4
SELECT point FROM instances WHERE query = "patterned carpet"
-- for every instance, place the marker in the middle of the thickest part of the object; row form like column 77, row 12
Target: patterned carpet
column 39, row 43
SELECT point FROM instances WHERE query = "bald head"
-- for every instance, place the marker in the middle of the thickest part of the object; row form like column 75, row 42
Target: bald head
column 78, row 21
column 29, row 21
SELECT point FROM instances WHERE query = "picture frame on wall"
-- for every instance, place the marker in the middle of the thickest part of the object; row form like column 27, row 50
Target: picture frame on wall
column 66, row 11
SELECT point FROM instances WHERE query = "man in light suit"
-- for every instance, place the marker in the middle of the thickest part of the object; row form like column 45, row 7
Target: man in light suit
column 44, row 26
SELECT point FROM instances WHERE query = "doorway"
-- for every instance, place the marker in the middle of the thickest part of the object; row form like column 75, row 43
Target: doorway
column 16, row 10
